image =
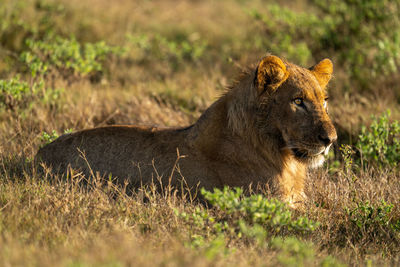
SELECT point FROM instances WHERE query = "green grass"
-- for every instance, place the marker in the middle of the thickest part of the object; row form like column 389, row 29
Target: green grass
column 75, row 65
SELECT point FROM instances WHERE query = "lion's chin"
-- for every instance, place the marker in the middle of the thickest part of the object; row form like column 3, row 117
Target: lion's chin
column 313, row 161
column 316, row 161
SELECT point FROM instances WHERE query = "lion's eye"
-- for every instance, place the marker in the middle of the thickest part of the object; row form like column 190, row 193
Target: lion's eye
column 298, row 101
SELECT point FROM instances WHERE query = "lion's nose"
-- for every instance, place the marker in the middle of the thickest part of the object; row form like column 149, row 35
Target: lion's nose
column 327, row 139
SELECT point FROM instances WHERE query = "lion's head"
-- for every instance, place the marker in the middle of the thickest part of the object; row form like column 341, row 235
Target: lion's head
column 292, row 105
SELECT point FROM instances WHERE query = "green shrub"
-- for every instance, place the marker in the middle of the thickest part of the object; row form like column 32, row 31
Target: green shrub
column 294, row 252
column 379, row 144
column 66, row 57
column 16, row 94
column 174, row 50
column 254, row 217
column 272, row 214
column 285, row 32
column 21, row 19
column 210, row 248
column 366, row 34
column 363, row 36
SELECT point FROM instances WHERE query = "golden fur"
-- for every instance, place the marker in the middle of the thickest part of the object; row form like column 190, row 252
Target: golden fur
column 266, row 130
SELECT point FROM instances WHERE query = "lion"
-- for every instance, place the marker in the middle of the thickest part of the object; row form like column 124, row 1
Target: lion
column 266, row 129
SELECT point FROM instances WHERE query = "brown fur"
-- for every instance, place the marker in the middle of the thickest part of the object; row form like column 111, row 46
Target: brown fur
column 254, row 134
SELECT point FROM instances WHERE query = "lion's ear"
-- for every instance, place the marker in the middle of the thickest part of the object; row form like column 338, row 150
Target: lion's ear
column 271, row 73
column 323, row 71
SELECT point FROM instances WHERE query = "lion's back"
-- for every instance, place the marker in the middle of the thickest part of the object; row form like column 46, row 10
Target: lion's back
column 116, row 150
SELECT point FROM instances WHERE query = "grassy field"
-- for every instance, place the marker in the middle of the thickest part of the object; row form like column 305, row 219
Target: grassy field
column 70, row 65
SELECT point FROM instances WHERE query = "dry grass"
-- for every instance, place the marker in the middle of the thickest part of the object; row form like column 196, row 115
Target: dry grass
column 46, row 221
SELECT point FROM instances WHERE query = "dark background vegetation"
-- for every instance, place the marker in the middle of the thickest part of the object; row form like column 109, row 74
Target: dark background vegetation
column 70, row 65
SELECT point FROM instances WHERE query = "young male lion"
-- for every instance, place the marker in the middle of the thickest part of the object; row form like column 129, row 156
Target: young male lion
column 267, row 129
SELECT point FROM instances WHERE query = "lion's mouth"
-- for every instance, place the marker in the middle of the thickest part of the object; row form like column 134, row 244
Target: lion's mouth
column 304, row 154
column 314, row 157
column 298, row 153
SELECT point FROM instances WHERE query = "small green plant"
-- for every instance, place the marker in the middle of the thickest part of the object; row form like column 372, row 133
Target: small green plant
column 368, row 217
column 210, row 248
column 379, row 144
column 347, row 153
column 66, row 57
column 47, row 138
column 13, row 91
column 293, row 252
column 17, row 94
